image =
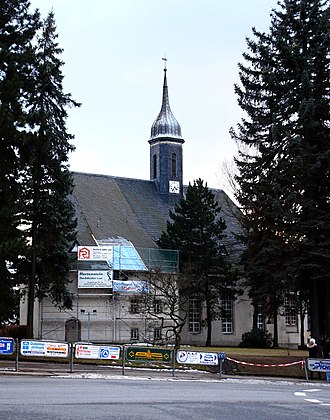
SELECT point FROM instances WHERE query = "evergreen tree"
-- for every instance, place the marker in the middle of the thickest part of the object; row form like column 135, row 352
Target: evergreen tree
column 48, row 213
column 17, row 31
column 196, row 230
column 284, row 169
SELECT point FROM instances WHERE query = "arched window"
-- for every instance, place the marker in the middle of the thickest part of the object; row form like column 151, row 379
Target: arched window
column 173, row 166
column 154, row 163
column 72, row 330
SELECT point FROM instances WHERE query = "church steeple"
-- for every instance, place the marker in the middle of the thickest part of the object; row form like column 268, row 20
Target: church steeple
column 165, row 125
column 166, row 148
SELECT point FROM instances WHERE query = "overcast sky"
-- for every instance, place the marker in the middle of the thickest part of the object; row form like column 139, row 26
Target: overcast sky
column 113, row 53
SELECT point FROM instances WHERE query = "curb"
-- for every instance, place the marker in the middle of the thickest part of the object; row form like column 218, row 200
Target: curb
column 180, row 376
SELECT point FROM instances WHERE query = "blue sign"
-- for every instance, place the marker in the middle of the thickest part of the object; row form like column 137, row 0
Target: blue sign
column 104, row 353
column 318, row 365
column 222, row 355
column 6, row 345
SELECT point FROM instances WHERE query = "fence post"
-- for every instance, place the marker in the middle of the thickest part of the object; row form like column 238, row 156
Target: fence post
column 221, row 357
column 220, row 367
column 305, row 367
column 71, row 356
column 173, row 362
column 123, row 360
column 16, row 359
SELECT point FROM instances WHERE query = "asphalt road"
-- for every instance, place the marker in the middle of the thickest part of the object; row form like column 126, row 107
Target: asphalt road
column 28, row 397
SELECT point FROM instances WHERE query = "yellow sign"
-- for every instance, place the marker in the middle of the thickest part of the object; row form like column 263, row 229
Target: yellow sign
column 142, row 354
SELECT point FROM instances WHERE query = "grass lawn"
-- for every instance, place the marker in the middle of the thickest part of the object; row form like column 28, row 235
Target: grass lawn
column 239, row 351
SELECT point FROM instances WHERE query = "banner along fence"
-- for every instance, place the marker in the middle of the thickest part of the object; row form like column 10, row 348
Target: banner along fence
column 81, row 354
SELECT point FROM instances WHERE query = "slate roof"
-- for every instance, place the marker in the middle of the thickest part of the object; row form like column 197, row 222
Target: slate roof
column 109, row 207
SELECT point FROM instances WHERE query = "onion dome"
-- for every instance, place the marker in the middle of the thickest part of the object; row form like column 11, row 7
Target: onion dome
column 165, row 124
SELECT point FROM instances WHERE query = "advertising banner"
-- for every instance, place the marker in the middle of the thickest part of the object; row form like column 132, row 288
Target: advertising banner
column 44, row 349
column 95, row 253
column 88, row 351
column 130, row 286
column 90, row 279
column 318, row 365
column 6, row 345
column 144, row 354
column 197, row 358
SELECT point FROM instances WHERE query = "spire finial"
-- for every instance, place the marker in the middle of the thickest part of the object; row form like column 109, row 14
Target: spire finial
column 165, row 125
column 165, row 60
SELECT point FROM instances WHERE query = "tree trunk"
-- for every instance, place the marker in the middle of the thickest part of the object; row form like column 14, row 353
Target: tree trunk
column 314, row 310
column 255, row 316
column 33, row 271
column 177, row 343
column 327, row 309
column 302, row 325
column 209, row 324
column 31, row 286
column 275, row 339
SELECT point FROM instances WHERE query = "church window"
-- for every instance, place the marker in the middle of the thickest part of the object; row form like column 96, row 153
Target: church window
column 260, row 321
column 194, row 315
column 134, row 333
column 290, row 309
column 174, row 166
column 157, row 306
column 227, row 313
column 135, row 306
column 157, row 334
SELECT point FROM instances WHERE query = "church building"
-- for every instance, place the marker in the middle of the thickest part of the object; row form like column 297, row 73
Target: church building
column 128, row 216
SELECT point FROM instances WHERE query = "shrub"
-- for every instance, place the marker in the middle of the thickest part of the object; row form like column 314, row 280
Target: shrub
column 256, row 338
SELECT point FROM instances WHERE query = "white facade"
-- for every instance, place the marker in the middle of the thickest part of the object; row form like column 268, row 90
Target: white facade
column 99, row 316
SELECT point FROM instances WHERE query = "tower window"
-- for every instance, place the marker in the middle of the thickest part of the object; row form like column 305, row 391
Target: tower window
column 174, row 166
column 154, row 163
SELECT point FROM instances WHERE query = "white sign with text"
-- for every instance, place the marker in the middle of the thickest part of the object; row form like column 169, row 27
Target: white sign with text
column 91, row 279
column 197, row 357
column 44, row 348
column 95, row 253
column 88, row 351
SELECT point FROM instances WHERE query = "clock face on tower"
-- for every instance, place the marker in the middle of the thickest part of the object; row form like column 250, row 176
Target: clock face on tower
column 174, row 187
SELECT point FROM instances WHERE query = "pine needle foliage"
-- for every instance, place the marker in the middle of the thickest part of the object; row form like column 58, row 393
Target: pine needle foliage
column 35, row 181
column 197, row 230
column 284, row 158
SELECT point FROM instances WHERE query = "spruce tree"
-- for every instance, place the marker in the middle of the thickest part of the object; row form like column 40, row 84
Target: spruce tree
column 285, row 159
column 17, row 30
column 47, row 211
column 196, row 230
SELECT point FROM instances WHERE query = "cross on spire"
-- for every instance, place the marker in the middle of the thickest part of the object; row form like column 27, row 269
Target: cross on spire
column 165, row 60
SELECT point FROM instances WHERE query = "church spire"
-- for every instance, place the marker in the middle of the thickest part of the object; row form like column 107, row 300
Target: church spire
column 165, row 125
column 166, row 149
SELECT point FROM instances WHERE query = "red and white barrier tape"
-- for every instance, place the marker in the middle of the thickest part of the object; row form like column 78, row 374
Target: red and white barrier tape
column 261, row 365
